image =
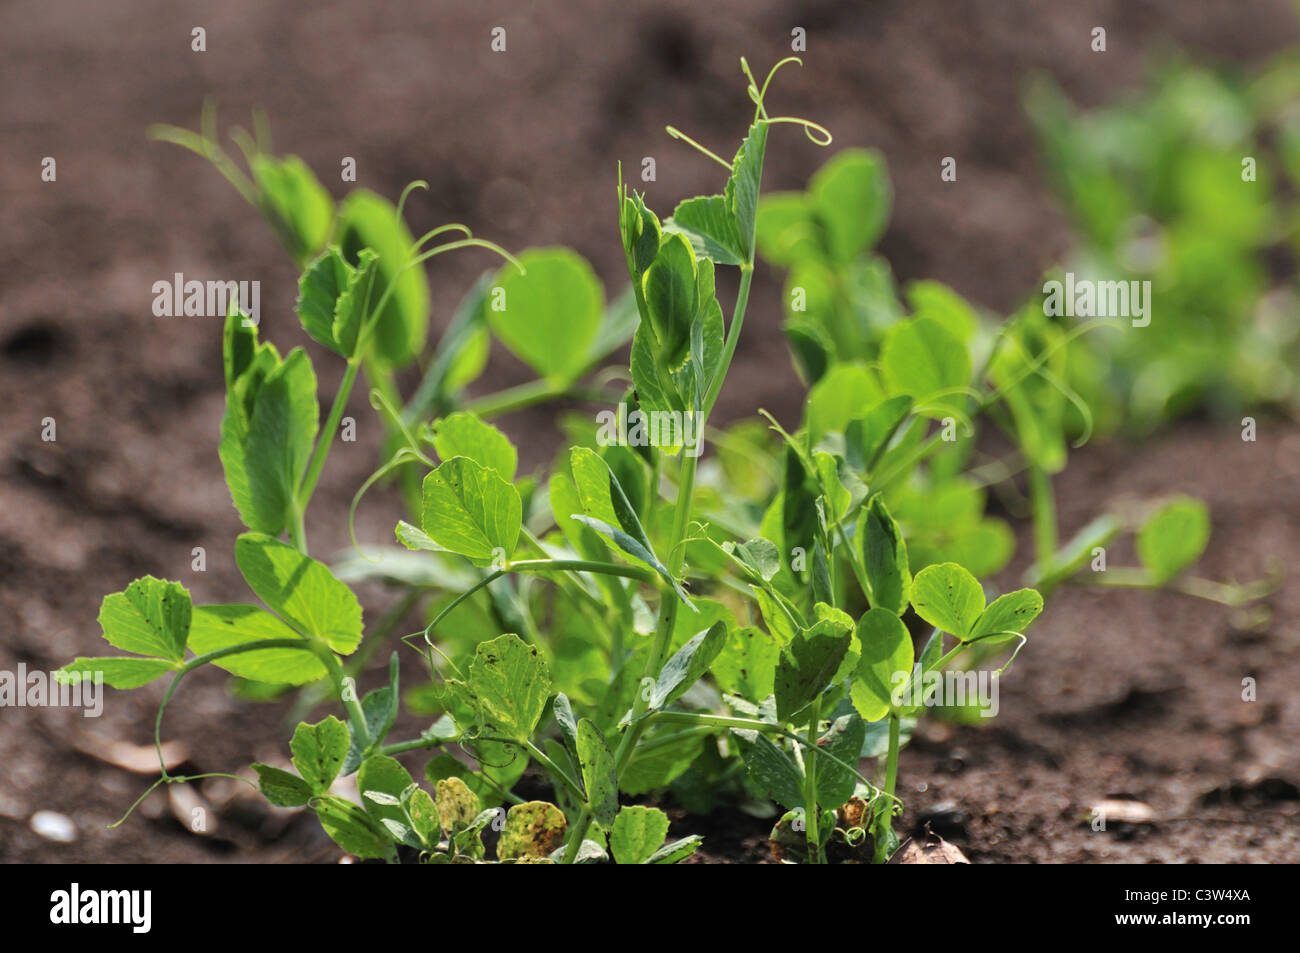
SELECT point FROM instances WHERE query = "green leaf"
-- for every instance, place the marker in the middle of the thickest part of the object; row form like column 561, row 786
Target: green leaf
column 367, row 220
column 747, row 664
column 851, row 197
column 948, row 597
column 1006, row 616
column 381, row 781
column 884, row 555
column 300, row 590
column 511, row 683
column 606, row 510
column 744, row 184
column 654, row 770
column 843, row 740
column 773, row 772
column 318, row 752
column 533, row 829
column 465, row 435
column 550, row 316
column 265, row 462
column 353, row 829
column 1173, row 537
column 709, row 225
column 294, row 201
column 688, row 664
column 319, row 288
column 807, row 666
column 472, row 511
column 151, row 617
column 637, row 833
column 220, row 626
column 845, row 393
column 921, row 358
column 887, row 656
column 677, row 851
column 282, row 788
column 598, row 774
column 671, row 290
column 786, row 230
column 562, row 710
column 117, row 671
column 867, row 438
column 423, row 814
column 760, row 556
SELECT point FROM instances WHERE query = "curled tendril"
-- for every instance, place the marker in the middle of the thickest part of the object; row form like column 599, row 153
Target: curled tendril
column 404, row 455
column 411, row 187
column 815, row 131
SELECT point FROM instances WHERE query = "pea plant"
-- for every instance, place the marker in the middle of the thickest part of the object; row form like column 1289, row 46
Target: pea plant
column 644, row 620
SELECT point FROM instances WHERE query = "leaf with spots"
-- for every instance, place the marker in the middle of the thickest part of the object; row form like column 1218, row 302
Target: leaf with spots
column 510, row 683
column 318, row 751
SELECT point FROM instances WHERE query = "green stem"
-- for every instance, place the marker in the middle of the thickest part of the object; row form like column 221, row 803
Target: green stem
column 668, row 606
column 326, row 439
column 885, row 822
column 811, row 817
column 1044, row 512
column 733, row 338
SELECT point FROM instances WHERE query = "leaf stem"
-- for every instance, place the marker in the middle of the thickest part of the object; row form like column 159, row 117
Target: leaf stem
column 884, row 824
column 811, row 817
column 326, row 438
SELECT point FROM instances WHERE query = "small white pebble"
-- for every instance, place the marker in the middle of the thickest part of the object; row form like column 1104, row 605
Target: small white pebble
column 54, row 826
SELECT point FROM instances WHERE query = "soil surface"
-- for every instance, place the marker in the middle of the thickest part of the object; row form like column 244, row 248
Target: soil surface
column 1120, row 694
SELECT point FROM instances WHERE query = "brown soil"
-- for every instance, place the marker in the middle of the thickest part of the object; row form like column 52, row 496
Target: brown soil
column 1120, row 693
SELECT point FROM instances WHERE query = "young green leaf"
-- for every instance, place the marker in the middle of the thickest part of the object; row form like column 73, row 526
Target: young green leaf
column 511, row 683
column 471, row 510
column 367, row 220
column 549, row 316
column 760, row 556
column 598, row 774
column 747, row 664
column 743, row 185
column 709, row 225
column 866, row 439
column 637, row 833
column 948, row 597
column 151, row 617
column 884, row 556
column 300, row 590
column 671, row 290
column 318, row 752
column 353, row 829
column 117, row 671
column 293, row 200
column 773, row 771
column 921, row 359
column 851, row 197
column 381, row 782
column 1173, row 537
column 1006, row 616
column 843, row 740
column 688, row 664
column 676, row 851
column 465, row 435
column 282, row 788
column 264, row 461
column 220, row 626
column 808, row 664
column 886, row 658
